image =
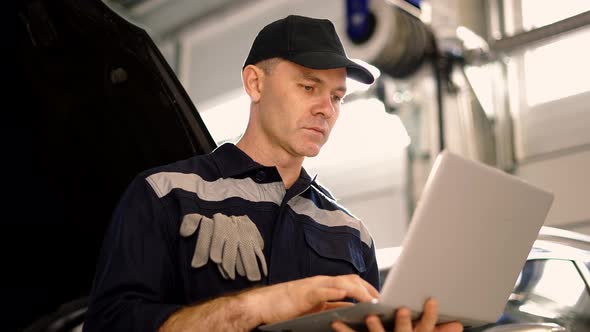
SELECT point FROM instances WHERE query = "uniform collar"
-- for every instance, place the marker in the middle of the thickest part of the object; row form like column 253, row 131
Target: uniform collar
column 232, row 161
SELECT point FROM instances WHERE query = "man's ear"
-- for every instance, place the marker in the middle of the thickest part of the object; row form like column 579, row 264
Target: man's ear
column 253, row 80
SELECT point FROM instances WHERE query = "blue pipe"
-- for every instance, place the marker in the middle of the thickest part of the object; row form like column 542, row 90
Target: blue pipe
column 357, row 19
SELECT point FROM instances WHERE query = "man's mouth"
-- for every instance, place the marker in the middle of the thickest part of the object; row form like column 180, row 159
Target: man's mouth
column 317, row 129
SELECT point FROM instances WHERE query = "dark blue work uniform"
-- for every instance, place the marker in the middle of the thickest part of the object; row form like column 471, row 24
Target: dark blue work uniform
column 144, row 272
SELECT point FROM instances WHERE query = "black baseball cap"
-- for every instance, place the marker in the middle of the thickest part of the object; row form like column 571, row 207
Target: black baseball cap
column 306, row 41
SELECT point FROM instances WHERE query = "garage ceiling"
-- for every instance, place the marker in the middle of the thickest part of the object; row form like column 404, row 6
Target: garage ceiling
column 165, row 17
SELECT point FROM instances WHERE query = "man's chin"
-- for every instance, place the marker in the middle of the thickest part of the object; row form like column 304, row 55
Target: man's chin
column 311, row 151
column 311, row 155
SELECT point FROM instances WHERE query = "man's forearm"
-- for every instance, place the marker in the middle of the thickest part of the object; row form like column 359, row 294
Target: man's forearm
column 227, row 313
column 264, row 305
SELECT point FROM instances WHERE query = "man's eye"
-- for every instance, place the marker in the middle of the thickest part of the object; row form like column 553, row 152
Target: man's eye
column 336, row 99
column 308, row 88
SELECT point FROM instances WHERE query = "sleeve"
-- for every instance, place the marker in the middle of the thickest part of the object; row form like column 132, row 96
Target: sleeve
column 371, row 274
column 133, row 288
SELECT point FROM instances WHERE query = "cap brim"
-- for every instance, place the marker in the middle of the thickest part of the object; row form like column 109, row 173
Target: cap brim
column 328, row 60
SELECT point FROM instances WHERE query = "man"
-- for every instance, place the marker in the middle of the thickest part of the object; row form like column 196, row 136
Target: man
column 244, row 236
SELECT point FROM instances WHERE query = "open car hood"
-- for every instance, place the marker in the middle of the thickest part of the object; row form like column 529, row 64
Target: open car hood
column 100, row 104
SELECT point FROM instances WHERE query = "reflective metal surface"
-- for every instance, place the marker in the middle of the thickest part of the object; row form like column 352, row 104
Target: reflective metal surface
column 527, row 327
column 550, row 291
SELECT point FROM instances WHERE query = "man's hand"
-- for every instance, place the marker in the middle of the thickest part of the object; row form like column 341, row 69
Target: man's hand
column 291, row 299
column 403, row 322
column 264, row 305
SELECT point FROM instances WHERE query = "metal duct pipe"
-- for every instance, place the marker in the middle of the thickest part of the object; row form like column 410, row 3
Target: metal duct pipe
column 391, row 39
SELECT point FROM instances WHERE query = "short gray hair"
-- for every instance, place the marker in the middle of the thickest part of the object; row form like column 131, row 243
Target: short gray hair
column 268, row 65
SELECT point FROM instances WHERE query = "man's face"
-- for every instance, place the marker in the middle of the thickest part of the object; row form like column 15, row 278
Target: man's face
column 299, row 106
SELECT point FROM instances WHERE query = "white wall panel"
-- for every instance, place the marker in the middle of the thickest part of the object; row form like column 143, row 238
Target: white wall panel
column 384, row 215
column 550, row 94
column 568, row 177
column 553, row 126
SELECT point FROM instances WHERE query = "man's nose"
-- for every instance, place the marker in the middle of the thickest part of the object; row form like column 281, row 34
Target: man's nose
column 324, row 106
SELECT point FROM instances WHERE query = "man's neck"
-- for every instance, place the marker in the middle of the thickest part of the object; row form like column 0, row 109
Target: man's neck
column 289, row 167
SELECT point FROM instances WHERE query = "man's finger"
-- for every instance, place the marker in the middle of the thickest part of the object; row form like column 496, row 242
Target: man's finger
column 329, row 305
column 353, row 288
column 341, row 327
column 369, row 287
column 354, row 278
column 325, row 294
column 374, row 324
column 450, row 327
column 429, row 317
column 403, row 320
column 339, row 304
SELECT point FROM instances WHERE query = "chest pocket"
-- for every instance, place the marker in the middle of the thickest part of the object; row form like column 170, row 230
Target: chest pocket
column 333, row 252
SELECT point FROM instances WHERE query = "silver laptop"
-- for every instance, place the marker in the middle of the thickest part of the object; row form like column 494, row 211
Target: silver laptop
column 470, row 235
